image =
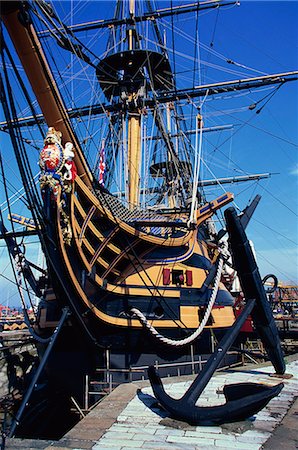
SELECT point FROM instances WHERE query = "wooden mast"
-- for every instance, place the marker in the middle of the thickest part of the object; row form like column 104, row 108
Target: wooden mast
column 34, row 62
column 134, row 158
column 134, row 134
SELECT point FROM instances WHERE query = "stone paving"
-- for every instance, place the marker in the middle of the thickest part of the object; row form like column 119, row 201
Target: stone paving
column 130, row 418
column 143, row 425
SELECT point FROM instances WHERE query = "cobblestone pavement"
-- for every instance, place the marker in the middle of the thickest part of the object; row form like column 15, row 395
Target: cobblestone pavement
column 143, row 425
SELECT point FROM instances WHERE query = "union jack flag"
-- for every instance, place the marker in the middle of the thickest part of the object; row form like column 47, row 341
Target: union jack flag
column 102, row 164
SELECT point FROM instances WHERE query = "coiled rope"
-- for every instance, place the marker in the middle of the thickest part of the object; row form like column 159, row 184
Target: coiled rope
column 193, row 336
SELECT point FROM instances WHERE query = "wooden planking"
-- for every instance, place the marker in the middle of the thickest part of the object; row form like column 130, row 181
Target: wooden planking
column 103, row 245
column 126, row 290
column 99, row 260
column 115, row 321
column 91, row 226
column 223, row 317
column 88, row 218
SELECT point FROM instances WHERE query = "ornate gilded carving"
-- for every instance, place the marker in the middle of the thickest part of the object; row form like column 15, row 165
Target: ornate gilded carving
column 58, row 170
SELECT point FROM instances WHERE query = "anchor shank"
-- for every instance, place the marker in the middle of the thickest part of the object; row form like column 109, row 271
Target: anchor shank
column 252, row 286
column 214, row 360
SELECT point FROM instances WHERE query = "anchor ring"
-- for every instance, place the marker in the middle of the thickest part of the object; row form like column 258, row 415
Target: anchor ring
column 275, row 283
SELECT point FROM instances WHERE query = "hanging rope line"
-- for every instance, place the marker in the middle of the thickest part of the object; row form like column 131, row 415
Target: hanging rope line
column 197, row 163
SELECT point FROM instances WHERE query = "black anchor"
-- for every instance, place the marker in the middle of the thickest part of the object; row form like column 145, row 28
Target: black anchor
column 244, row 399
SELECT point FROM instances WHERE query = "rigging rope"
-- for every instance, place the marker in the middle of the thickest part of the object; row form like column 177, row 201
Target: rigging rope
column 19, row 194
column 74, row 49
column 35, row 205
column 197, row 165
column 17, row 267
column 196, row 334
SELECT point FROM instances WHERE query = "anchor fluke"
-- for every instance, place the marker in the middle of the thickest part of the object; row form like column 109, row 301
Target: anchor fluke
column 243, row 400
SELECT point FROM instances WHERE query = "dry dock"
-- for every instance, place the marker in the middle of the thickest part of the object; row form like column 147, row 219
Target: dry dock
column 129, row 418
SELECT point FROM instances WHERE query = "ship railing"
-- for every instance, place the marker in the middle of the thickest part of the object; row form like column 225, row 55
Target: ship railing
column 108, row 384
column 142, row 369
column 180, row 365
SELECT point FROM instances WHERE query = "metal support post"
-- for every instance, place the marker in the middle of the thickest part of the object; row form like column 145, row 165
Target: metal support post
column 86, row 393
column 192, row 360
column 36, row 376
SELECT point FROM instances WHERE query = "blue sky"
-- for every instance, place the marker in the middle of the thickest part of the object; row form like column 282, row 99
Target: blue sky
column 260, row 37
column 267, row 34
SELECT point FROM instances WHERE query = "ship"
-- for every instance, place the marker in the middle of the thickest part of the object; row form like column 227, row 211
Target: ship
column 136, row 271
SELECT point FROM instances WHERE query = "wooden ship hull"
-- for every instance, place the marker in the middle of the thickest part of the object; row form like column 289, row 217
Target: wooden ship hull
column 109, row 262
column 111, row 267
